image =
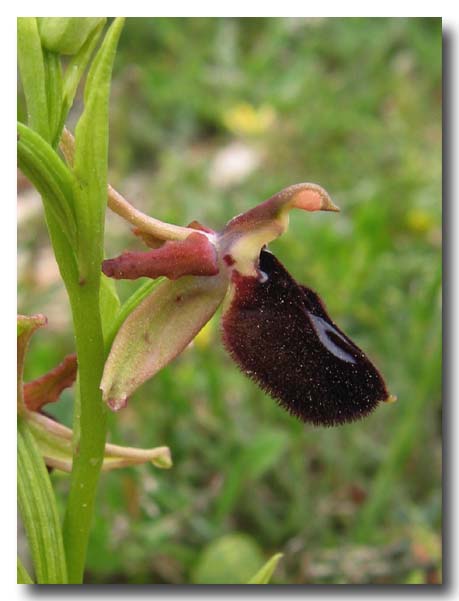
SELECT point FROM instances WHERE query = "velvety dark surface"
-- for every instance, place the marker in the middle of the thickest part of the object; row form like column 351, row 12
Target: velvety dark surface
column 281, row 336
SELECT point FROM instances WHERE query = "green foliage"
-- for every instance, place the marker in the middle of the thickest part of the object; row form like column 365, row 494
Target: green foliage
column 231, row 559
column 90, row 190
column 264, row 574
column 90, row 161
column 32, row 68
column 38, row 161
column 75, row 70
column 54, row 92
column 356, row 107
column 39, row 512
column 22, row 574
column 251, row 462
column 74, row 199
column 66, row 35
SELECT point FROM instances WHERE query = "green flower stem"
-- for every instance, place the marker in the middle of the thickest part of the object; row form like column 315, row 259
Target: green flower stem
column 74, row 202
column 90, row 191
column 92, row 420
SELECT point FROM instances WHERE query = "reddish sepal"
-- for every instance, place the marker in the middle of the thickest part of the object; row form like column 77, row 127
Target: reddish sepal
column 193, row 256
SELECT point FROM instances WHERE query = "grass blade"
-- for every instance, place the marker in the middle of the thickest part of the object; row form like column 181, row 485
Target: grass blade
column 264, row 574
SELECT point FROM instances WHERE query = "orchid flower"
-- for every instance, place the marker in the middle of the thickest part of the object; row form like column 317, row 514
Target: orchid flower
column 54, row 440
column 276, row 330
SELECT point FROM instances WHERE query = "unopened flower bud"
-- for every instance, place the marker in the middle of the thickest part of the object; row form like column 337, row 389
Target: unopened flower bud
column 66, row 35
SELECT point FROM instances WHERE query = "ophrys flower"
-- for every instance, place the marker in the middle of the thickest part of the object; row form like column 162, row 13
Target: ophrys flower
column 277, row 331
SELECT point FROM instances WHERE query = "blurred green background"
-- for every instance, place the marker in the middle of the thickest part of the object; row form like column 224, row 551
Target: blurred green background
column 208, row 118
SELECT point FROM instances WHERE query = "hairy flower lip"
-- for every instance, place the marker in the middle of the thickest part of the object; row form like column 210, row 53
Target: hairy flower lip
column 282, row 336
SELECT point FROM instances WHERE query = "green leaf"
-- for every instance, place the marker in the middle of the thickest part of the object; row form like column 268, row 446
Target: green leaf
column 91, row 157
column 53, row 75
column 66, row 35
column 32, row 69
column 231, row 559
column 50, row 176
column 264, row 575
column 75, row 70
column 37, row 506
column 22, row 574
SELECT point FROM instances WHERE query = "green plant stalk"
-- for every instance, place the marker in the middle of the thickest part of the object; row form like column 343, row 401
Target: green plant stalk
column 92, row 420
column 88, row 183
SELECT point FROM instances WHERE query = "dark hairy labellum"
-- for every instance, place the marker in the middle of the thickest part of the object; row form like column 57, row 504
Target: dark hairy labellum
column 281, row 336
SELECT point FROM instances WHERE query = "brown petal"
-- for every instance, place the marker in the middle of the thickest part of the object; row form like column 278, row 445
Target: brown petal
column 48, row 388
column 26, row 326
column 281, row 336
